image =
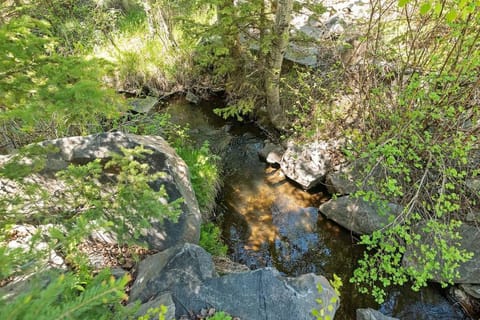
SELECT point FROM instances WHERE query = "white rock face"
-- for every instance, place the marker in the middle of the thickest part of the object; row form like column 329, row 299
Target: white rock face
column 307, row 164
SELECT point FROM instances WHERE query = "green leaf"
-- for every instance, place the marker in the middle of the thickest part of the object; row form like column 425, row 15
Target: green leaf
column 425, row 8
column 451, row 15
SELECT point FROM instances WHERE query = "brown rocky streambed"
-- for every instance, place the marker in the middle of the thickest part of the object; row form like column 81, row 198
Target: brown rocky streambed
column 269, row 221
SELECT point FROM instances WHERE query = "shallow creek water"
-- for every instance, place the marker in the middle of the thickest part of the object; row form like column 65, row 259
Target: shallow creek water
column 269, row 221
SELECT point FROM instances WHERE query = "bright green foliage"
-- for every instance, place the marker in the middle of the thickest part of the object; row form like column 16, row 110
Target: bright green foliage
column 211, row 241
column 64, row 298
column 204, row 173
column 239, row 110
column 155, row 125
column 44, row 94
column 419, row 153
column 327, row 309
column 220, row 316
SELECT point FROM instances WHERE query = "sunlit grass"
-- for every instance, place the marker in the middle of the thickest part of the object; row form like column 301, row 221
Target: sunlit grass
column 140, row 59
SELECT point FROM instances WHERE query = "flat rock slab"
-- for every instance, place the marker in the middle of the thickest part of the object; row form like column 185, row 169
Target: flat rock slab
column 260, row 294
column 357, row 215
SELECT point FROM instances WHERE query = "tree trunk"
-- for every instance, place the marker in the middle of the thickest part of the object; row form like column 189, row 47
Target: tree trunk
column 159, row 22
column 274, row 62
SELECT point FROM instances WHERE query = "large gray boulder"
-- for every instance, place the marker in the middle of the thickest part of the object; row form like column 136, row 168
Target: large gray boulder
column 307, row 164
column 358, row 215
column 371, row 314
column 469, row 272
column 187, row 273
column 262, row 294
column 81, row 150
column 185, row 265
column 343, row 181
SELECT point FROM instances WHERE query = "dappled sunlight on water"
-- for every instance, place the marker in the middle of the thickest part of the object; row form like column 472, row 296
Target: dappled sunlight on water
column 255, row 202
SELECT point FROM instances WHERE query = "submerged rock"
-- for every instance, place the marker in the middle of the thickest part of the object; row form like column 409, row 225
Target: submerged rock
column 297, row 233
column 359, row 216
column 144, row 105
column 187, row 272
column 271, row 153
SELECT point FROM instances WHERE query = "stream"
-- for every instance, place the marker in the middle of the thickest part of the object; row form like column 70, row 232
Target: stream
column 269, row 221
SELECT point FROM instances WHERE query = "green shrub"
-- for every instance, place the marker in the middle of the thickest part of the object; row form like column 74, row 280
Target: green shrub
column 418, row 130
column 64, row 297
column 47, row 95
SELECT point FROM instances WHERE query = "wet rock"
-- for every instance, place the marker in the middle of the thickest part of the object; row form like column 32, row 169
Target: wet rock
column 144, row 105
column 307, row 164
column 469, row 272
column 370, row 314
column 192, row 98
column 271, row 153
column 471, row 289
column 359, row 216
column 470, row 304
column 187, row 272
